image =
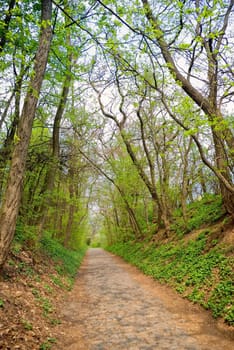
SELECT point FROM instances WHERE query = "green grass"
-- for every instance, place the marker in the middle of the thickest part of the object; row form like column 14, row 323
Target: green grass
column 24, row 235
column 203, row 277
column 205, row 211
column 68, row 260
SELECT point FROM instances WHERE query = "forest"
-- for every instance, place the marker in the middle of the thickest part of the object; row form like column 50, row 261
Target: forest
column 116, row 126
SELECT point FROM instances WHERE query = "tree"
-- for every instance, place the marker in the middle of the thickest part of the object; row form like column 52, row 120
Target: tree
column 208, row 39
column 121, row 191
column 155, row 178
column 55, row 152
column 188, row 41
column 13, row 192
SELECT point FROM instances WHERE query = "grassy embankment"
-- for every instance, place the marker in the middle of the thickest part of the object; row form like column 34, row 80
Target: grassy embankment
column 35, row 279
column 66, row 261
column 197, row 260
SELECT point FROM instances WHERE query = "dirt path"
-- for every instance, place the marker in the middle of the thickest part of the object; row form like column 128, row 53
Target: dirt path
column 113, row 306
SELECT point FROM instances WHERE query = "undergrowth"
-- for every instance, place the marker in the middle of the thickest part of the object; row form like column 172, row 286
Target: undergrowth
column 42, row 270
column 68, row 261
column 207, row 210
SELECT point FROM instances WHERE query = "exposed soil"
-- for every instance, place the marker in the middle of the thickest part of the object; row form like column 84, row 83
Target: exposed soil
column 29, row 295
column 113, row 306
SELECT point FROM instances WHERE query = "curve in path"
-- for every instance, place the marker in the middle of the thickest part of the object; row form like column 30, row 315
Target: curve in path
column 115, row 307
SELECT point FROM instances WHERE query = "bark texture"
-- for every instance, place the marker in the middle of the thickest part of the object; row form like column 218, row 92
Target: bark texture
column 13, row 193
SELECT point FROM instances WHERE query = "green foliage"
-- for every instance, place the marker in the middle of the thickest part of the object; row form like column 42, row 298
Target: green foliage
column 204, row 277
column 48, row 288
column 229, row 318
column 57, row 281
column 221, row 299
column 24, row 234
column 68, row 261
column 55, row 321
column 26, row 270
column 204, row 211
column 208, row 210
column 95, row 244
column 44, row 303
column 47, row 344
column 46, row 306
column 1, row 303
column 27, row 325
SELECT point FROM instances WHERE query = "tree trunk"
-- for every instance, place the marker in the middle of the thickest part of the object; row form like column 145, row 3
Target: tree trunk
column 132, row 217
column 68, row 232
column 5, row 111
column 185, row 180
column 6, row 24
column 6, row 150
column 202, row 181
column 13, row 193
column 72, row 208
column 221, row 161
column 54, row 163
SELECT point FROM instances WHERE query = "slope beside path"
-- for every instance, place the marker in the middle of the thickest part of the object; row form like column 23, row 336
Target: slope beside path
column 113, row 306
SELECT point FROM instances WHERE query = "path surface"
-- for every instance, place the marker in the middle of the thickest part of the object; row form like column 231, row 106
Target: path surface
column 113, row 306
